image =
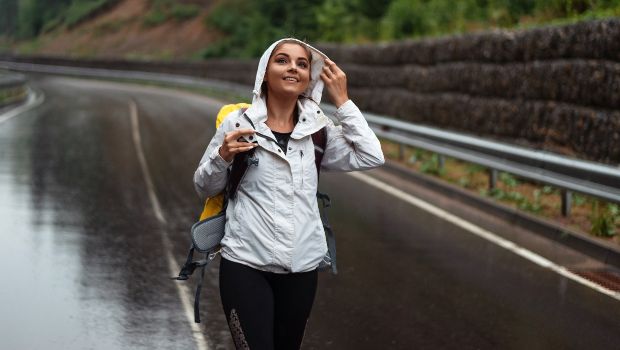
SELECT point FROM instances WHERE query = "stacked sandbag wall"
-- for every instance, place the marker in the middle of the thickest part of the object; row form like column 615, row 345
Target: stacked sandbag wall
column 554, row 88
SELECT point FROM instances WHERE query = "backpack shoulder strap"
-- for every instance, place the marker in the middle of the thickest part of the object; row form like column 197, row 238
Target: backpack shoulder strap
column 319, row 139
column 239, row 167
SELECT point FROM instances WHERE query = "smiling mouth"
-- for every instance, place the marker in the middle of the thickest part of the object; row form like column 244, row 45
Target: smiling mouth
column 291, row 79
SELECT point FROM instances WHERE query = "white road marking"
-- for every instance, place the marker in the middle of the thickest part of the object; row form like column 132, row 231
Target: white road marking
column 34, row 100
column 173, row 268
column 480, row 232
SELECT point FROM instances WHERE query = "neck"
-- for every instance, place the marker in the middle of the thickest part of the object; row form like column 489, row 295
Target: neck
column 281, row 113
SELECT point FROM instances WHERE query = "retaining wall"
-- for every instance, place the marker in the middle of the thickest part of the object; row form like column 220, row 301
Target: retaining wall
column 554, row 88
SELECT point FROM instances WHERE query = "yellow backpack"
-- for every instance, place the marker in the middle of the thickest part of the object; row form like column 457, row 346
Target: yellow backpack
column 213, row 205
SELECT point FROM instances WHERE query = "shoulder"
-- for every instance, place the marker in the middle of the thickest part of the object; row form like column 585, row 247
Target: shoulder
column 232, row 120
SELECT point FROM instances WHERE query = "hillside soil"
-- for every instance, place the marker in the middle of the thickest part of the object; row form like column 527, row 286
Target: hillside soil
column 121, row 33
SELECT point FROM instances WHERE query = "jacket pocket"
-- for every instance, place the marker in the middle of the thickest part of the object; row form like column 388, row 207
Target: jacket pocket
column 236, row 223
column 308, row 171
column 238, row 209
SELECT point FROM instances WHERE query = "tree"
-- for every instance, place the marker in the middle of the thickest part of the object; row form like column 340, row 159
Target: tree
column 8, row 15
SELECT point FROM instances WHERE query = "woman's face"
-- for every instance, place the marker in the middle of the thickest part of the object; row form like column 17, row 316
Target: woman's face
column 288, row 71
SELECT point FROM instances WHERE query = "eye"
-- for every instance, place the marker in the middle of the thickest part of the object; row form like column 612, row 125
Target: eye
column 303, row 64
column 280, row 60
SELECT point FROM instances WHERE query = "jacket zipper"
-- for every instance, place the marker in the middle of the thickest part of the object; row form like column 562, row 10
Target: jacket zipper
column 301, row 152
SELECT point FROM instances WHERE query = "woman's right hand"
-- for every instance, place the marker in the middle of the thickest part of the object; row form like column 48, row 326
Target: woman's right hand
column 233, row 144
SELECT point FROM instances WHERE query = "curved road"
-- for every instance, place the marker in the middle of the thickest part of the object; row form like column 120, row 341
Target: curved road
column 96, row 199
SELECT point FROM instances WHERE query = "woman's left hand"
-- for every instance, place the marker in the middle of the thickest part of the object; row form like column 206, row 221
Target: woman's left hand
column 336, row 82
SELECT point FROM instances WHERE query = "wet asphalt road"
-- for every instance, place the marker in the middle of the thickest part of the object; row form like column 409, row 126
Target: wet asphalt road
column 84, row 257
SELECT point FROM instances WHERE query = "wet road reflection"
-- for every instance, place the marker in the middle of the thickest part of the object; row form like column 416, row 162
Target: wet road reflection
column 84, row 264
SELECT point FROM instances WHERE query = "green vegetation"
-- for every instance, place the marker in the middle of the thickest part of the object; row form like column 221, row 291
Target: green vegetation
column 164, row 10
column 110, row 27
column 26, row 19
column 511, row 193
column 250, row 25
column 604, row 220
column 79, row 10
column 11, row 95
column 588, row 214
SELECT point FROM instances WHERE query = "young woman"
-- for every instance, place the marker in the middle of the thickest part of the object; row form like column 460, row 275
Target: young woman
column 274, row 237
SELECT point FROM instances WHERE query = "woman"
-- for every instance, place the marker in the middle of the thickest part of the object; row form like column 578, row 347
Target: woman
column 274, row 237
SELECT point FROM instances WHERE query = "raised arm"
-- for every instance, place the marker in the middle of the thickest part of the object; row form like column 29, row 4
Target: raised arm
column 352, row 145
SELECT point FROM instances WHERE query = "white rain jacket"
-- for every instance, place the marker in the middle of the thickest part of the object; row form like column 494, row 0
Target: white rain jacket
column 274, row 223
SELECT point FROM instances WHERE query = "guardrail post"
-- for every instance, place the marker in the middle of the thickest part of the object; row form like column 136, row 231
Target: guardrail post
column 441, row 161
column 401, row 152
column 566, row 202
column 492, row 179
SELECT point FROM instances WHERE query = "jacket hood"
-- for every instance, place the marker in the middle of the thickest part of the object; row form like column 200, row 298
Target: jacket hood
column 312, row 94
column 315, row 87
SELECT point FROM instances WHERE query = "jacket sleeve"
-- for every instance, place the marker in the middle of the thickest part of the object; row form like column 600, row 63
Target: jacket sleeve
column 352, row 145
column 211, row 176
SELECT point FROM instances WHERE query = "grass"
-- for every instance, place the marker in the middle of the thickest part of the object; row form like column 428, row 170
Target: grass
column 588, row 215
column 163, row 10
column 111, row 27
column 81, row 10
column 29, row 47
column 11, row 95
column 154, row 18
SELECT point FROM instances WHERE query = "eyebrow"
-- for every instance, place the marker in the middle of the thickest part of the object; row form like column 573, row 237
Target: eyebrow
column 287, row 55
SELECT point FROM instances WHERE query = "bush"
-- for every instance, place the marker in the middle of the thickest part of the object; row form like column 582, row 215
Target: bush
column 181, row 12
column 348, row 21
column 80, row 10
column 163, row 10
column 251, row 25
column 154, row 18
column 604, row 220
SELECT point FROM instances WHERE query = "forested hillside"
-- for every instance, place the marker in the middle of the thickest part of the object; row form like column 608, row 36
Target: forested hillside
column 242, row 28
column 250, row 24
column 133, row 29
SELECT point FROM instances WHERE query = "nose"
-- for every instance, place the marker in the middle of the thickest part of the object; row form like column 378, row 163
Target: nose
column 292, row 65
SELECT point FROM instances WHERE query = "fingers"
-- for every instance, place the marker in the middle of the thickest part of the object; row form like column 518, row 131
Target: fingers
column 333, row 67
column 236, row 134
column 228, row 151
column 331, row 71
column 327, row 73
column 336, row 82
column 233, row 144
column 240, row 147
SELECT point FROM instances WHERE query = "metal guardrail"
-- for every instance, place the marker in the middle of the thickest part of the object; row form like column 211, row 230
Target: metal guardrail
column 11, row 80
column 570, row 175
column 174, row 79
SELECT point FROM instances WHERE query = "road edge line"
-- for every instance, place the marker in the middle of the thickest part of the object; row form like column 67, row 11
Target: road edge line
column 34, row 100
column 173, row 268
column 482, row 233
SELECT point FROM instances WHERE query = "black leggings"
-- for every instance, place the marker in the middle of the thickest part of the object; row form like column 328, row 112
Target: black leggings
column 266, row 310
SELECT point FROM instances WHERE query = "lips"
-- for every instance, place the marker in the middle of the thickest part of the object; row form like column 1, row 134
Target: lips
column 293, row 79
